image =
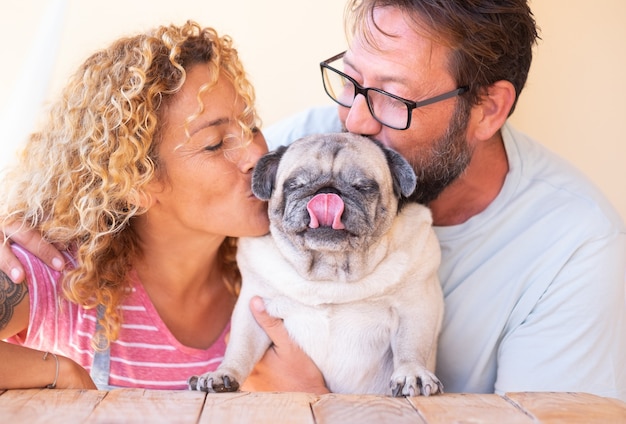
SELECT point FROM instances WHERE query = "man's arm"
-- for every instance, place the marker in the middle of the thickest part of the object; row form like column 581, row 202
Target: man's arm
column 574, row 339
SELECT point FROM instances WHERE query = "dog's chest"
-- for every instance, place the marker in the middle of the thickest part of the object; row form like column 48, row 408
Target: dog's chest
column 350, row 343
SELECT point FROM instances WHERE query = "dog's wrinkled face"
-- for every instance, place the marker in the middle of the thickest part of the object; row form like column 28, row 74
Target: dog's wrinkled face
column 332, row 192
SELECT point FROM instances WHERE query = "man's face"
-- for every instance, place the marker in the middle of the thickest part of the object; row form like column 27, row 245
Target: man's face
column 411, row 66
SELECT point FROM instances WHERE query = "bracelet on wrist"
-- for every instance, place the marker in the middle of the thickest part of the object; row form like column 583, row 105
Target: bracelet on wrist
column 56, row 374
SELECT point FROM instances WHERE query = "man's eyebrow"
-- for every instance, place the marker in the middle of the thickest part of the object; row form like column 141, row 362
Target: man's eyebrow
column 200, row 125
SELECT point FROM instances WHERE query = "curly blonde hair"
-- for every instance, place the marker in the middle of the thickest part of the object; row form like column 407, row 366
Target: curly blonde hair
column 80, row 178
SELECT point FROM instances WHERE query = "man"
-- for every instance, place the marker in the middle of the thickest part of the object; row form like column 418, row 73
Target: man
column 533, row 256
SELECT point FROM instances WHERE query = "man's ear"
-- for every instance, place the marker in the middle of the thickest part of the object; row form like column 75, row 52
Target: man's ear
column 491, row 114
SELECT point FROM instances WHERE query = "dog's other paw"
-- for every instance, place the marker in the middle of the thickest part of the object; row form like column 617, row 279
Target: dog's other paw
column 423, row 383
column 213, row 382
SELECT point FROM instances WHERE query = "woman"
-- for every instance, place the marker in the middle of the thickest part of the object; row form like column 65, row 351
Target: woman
column 143, row 172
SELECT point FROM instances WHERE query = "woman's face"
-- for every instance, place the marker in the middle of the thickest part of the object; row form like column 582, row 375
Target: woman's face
column 203, row 182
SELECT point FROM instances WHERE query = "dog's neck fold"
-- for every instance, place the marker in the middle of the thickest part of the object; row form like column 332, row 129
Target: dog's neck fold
column 336, row 266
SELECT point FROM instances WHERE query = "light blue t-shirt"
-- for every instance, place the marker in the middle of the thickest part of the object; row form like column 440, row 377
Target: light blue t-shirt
column 534, row 285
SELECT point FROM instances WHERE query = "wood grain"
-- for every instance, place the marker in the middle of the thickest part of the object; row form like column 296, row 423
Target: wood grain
column 167, row 406
column 466, row 408
column 570, row 408
column 334, row 408
column 44, row 406
column 148, row 406
column 258, row 408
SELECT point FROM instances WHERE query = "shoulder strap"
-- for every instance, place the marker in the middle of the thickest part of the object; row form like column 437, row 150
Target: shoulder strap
column 101, row 366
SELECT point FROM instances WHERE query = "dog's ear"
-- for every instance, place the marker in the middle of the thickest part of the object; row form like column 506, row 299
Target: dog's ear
column 404, row 180
column 264, row 174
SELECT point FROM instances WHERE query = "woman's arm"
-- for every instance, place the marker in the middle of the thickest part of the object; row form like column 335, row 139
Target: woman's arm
column 25, row 368
column 14, row 307
column 22, row 367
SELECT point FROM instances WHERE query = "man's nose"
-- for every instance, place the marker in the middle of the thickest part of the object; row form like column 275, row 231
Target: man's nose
column 359, row 119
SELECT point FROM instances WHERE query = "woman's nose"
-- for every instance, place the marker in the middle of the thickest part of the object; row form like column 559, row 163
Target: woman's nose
column 253, row 152
column 359, row 119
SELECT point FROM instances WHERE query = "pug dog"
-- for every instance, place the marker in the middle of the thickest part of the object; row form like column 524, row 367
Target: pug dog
column 349, row 267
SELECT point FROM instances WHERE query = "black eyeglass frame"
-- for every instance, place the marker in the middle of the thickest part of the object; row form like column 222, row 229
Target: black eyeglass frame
column 359, row 89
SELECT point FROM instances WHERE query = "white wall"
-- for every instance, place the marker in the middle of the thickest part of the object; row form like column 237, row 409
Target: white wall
column 575, row 100
column 281, row 42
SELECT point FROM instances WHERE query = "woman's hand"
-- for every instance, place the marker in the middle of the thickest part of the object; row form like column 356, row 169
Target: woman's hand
column 25, row 368
column 32, row 241
column 73, row 376
column 284, row 367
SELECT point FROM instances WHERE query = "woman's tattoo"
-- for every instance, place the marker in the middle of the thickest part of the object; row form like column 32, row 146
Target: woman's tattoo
column 11, row 295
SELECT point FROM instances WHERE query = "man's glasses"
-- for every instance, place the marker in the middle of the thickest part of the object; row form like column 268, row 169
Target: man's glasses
column 388, row 109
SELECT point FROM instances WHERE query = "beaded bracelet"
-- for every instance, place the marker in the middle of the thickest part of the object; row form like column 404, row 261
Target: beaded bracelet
column 56, row 375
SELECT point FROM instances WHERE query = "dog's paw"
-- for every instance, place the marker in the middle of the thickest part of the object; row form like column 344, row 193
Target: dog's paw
column 213, row 382
column 423, row 383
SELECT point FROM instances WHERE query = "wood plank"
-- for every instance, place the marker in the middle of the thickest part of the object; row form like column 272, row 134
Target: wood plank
column 364, row 409
column 48, row 406
column 16, row 399
column 149, row 406
column 153, row 406
column 258, row 408
column 570, row 408
column 474, row 408
column 620, row 404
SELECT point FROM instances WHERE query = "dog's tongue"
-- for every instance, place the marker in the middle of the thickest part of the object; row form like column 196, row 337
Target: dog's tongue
column 325, row 209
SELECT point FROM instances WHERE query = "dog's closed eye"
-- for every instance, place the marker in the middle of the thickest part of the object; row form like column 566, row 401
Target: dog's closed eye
column 332, row 190
column 366, row 186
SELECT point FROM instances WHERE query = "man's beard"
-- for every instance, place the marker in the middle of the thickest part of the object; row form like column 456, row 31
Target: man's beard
column 445, row 160
column 438, row 166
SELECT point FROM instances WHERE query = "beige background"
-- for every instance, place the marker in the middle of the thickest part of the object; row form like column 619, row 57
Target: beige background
column 574, row 103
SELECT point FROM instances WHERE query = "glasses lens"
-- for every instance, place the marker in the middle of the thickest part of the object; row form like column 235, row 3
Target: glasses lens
column 385, row 108
column 339, row 88
column 388, row 110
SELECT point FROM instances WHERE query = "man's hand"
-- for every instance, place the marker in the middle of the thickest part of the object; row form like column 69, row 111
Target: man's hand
column 284, row 367
column 32, row 241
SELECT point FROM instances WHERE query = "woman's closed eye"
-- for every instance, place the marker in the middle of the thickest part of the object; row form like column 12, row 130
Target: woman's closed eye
column 215, row 146
column 229, row 141
column 216, row 141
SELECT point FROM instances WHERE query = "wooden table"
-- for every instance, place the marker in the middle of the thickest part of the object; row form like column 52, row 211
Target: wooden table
column 152, row 406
